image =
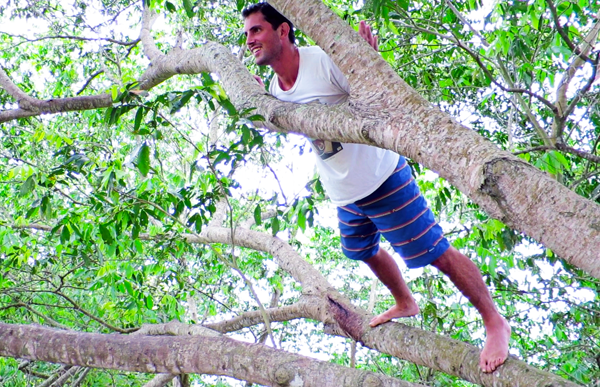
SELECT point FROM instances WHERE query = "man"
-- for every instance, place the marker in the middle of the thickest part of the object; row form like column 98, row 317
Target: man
column 372, row 187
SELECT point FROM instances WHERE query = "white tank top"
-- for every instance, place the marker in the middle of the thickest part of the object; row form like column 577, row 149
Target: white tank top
column 349, row 172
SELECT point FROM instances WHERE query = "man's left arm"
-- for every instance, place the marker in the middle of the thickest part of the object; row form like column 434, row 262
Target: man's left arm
column 364, row 30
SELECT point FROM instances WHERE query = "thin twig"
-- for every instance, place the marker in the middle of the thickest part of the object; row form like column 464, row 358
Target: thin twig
column 89, row 80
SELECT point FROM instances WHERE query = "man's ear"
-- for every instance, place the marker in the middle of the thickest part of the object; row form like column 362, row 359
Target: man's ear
column 284, row 30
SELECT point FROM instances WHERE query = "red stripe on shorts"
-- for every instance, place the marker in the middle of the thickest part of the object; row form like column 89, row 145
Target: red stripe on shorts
column 406, row 223
column 416, row 237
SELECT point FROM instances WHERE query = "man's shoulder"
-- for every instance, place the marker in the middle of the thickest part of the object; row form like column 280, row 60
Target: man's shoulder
column 315, row 56
column 313, row 51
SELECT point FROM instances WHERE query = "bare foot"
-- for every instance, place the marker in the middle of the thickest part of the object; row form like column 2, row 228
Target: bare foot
column 495, row 351
column 395, row 312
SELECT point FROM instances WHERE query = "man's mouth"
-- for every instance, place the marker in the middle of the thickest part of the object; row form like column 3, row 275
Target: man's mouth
column 255, row 50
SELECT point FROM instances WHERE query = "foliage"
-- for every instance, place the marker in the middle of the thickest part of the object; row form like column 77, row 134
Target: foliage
column 95, row 205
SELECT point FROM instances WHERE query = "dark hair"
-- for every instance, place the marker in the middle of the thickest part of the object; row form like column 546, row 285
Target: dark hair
column 271, row 15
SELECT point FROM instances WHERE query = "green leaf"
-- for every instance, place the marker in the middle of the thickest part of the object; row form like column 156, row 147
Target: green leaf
column 138, row 246
column 128, row 287
column 257, row 215
column 105, row 233
column 27, row 186
column 275, row 225
column 302, row 219
column 170, row 7
column 189, row 8
column 65, row 235
column 228, row 106
column 143, row 159
column 138, row 119
column 149, row 302
column 185, row 97
column 114, row 92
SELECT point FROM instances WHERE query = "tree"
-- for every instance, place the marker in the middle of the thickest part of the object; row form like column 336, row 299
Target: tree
column 114, row 213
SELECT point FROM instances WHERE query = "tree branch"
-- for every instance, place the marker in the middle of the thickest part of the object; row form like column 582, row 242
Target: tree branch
column 564, row 148
column 160, row 380
column 412, row 344
column 536, row 125
column 565, row 110
column 563, row 34
column 61, row 371
column 148, row 19
column 63, row 378
column 466, row 22
column 71, row 37
column 60, row 105
column 181, row 355
column 90, row 315
column 284, row 313
column 81, row 377
column 89, row 80
column 13, row 90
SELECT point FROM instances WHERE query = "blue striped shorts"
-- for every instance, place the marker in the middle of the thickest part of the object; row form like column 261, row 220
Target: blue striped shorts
column 399, row 212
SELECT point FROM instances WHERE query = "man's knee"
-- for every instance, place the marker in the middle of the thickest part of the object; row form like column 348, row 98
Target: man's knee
column 445, row 261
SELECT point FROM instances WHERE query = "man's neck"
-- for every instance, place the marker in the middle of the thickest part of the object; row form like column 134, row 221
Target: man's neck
column 287, row 67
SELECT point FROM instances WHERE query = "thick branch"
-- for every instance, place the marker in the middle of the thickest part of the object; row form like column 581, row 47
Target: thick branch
column 61, row 105
column 181, row 355
column 441, row 353
column 148, row 19
column 175, row 328
column 12, row 89
column 284, row 313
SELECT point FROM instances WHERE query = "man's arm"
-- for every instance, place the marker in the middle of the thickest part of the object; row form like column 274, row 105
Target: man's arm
column 259, row 80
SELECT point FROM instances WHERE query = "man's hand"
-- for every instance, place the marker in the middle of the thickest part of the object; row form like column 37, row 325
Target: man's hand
column 364, row 30
column 259, row 80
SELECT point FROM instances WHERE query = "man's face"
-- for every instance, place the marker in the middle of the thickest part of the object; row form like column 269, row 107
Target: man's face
column 262, row 39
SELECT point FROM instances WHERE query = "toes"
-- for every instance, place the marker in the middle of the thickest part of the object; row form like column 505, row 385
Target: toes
column 378, row 320
column 490, row 366
column 483, row 365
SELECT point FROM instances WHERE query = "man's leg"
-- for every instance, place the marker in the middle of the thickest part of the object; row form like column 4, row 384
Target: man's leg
column 467, row 278
column 385, row 268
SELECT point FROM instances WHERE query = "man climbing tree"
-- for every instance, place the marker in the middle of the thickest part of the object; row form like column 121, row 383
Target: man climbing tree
column 373, row 188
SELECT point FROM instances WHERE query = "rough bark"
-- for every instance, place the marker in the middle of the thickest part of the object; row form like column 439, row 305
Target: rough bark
column 159, row 380
column 182, row 355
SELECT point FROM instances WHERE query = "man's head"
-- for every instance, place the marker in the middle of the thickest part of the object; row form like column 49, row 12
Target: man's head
column 271, row 15
column 266, row 39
